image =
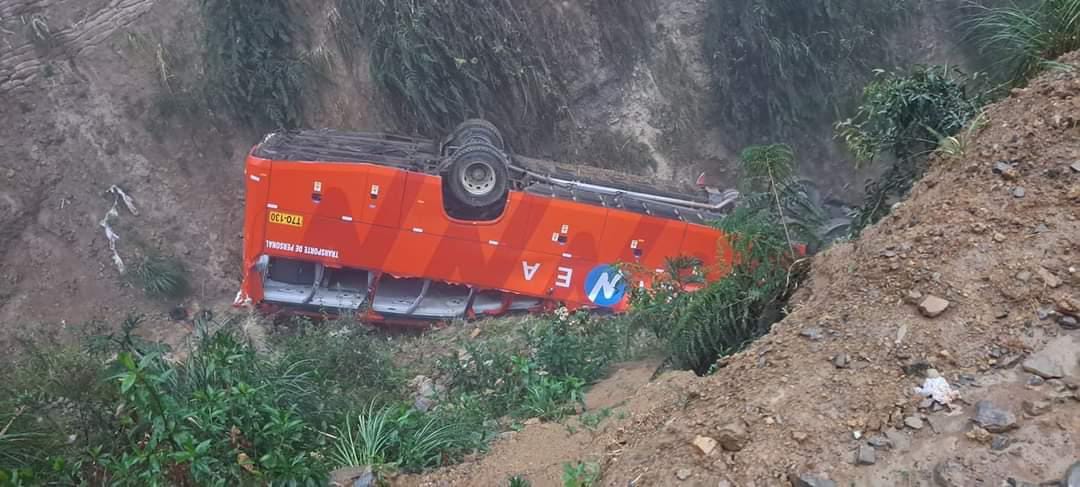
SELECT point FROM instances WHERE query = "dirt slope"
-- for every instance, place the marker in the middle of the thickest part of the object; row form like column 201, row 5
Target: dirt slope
column 1003, row 249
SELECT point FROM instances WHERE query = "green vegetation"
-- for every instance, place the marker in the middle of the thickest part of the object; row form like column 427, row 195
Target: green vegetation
column 252, row 70
column 906, row 116
column 519, row 481
column 441, row 62
column 581, row 474
column 780, row 64
column 160, row 276
column 1025, row 39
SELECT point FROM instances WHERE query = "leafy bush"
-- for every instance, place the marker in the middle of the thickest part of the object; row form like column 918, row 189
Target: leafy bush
column 252, row 69
column 441, row 62
column 905, row 116
column 726, row 315
column 398, row 438
column 581, row 474
column 161, row 277
column 1025, row 39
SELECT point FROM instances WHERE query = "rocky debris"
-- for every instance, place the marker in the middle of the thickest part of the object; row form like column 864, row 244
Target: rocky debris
column 352, row 477
column 1056, row 360
column 1075, row 166
column 865, row 455
column 1019, row 192
column 531, row 421
column 917, row 367
column 1000, row 442
column 806, row 480
column 950, row 473
column 1006, row 170
column 734, row 435
column 1035, row 381
column 913, row 297
column 933, row 306
column 1036, row 408
column 898, row 439
column 426, row 395
column 812, row 333
column 705, row 444
column 913, row 422
column 1068, row 322
column 999, row 237
column 993, row 418
column 1011, row 482
column 683, row 473
column 1048, row 278
column 799, row 436
column 879, row 441
column 1068, row 306
column 841, row 361
column 1072, row 476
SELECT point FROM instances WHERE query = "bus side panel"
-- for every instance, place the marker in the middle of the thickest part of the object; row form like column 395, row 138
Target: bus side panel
column 256, row 187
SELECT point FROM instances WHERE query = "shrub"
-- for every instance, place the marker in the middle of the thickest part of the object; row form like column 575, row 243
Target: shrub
column 397, row 437
column 252, row 70
column 1025, row 39
column 905, row 116
column 581, row 474
column 161, row 277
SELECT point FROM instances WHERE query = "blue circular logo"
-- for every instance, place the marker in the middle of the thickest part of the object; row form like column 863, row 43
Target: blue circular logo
column 605, row 285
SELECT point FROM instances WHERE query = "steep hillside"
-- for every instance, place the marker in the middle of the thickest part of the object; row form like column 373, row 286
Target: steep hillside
column 96, row 93
column 994, row 231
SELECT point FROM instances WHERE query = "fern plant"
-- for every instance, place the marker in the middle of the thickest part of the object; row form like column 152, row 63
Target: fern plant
column 161, row 277
column 769, row 183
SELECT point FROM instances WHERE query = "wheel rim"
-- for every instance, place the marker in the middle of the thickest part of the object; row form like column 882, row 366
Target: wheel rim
column 478, row 178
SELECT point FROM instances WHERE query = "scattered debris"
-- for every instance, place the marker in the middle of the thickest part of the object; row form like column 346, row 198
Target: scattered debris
column 937, row 388
column 683, row 473
column 799, row 436
column 841, row 361
column 899, row 440
column 1049, row 278
column 1005, row 170
column 950, row 473
column 993, row 418
column 1068, row 322
column 933, row 306
column 118, row 196
column 812, row 333
column 1019, row 192
column 1000, row 442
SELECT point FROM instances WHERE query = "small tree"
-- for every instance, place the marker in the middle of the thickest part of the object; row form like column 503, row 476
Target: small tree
column 905, row 116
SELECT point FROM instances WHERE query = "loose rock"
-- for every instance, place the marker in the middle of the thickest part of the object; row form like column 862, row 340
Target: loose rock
column 899, row 440
column 806, row 480
column 933, row 306
column 913, row 423
column 999, row 442
column 879, row 441
column 705, row 444
column 993, row 418
column 1006, row 170
column 1075, row 166
column 1036, row 408
column 799, row 436
column 950, row 473
column 812, row 333
column 1068, row 322
column 841, row 361
column 1056, row 360
column 865, row 455
column 683, row 473
column 734, row 435
column 1019, row 192
column 1049, row 278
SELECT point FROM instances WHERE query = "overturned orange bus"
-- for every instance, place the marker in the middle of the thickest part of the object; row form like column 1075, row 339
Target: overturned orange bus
column 411, row 230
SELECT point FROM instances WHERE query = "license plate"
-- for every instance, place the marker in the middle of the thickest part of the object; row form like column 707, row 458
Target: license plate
column 286, row 219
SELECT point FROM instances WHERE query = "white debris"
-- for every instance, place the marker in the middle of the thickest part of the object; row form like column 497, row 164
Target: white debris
column 938, row 389
column 120, row 195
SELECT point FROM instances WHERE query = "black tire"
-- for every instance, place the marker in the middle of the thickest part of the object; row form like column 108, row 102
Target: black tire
column 474, row 130
column 476, row 175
